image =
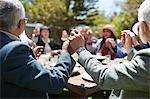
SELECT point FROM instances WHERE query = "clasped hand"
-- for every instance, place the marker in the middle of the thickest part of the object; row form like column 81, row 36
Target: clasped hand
column 75, row 41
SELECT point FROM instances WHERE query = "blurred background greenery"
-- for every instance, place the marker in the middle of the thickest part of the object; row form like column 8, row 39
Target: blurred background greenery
column 66, row 14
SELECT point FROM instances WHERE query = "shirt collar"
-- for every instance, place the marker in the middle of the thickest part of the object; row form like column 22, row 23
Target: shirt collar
column 11, row 36
column 44, row 40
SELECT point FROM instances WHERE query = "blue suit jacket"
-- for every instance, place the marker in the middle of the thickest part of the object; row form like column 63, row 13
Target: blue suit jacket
column 23, row 77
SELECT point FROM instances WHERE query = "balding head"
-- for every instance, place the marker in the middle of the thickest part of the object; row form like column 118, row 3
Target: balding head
column 11, row 11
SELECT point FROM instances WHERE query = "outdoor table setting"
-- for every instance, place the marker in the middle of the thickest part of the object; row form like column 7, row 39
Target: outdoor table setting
column 49, row 60
column 115, row 61
column 106, row 60
column 80, row 83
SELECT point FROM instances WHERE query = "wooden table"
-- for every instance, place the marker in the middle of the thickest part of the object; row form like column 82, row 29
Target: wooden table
column 79, row 87
column 82, row 88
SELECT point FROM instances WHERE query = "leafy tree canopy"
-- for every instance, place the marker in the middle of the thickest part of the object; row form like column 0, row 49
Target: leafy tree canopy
column 127, row 17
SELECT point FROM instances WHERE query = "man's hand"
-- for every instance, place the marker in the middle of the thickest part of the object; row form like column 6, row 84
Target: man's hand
column 67, row 48
column 135, row 41
column 128, row 42
column 76, row 40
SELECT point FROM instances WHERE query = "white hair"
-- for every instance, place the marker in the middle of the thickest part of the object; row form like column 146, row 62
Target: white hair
column 11, row 11
column 144, row 12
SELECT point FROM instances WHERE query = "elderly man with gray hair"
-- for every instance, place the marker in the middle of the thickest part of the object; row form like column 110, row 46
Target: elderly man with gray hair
column 132, row 77
column 22, row 76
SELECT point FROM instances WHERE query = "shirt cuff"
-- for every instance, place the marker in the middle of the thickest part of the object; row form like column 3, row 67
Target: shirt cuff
column 80, row 49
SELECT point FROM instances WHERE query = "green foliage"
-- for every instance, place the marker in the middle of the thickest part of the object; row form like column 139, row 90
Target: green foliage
column 82, row 7
column 127, row 17
column 122, row 22
column 58, row 12
column 52, row 13
column 64, row 14
column 95, row 19
column 48, row 12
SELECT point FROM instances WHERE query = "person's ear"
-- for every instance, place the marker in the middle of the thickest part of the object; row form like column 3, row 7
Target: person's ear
column 145, row 27
column 20, row 24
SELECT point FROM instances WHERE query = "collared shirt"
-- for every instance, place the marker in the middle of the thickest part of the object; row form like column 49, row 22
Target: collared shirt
column 13, row 37
column 143, row 46
column 47, row 47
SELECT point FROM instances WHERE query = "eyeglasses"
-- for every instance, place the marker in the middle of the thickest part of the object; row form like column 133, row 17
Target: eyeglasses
column 26, row 20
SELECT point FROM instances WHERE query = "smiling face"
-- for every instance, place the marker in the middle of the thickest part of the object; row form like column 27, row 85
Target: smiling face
column 45, row 33
column 106, row 33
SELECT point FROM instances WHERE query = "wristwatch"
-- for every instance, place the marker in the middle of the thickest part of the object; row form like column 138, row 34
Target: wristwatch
column 80, row 49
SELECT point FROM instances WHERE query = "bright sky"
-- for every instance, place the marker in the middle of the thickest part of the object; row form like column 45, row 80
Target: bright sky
column 110, row 6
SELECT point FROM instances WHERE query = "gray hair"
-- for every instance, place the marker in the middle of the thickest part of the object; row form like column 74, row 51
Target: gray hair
column 11, row 11
column 144, row 12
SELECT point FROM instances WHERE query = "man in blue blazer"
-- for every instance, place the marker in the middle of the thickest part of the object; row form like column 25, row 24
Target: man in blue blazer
column 21, row 74
column 132, row 77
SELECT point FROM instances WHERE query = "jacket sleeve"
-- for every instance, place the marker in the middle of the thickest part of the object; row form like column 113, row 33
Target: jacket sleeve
column 120, row 51
column 133, row 75
column 131, row 54
column 23, row 70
